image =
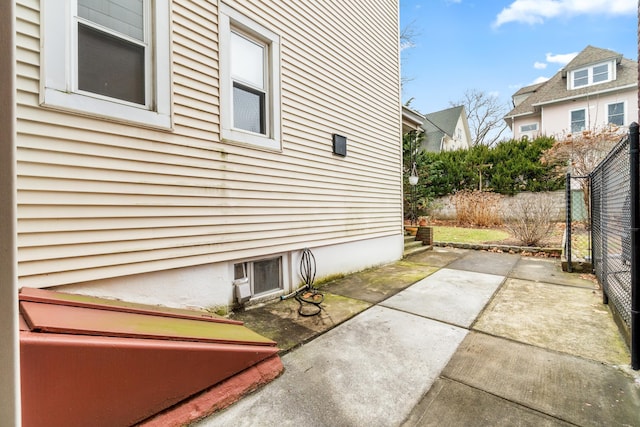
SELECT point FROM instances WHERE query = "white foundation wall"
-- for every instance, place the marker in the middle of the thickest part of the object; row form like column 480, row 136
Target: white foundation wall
column 352, row 257
column 205, row 286
column 211, row 287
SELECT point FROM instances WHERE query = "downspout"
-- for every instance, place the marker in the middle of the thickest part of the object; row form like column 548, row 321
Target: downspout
column 513, row 127
column 10, row 410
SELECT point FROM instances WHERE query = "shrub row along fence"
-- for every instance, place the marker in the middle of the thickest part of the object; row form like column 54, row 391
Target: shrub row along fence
column 614, row 205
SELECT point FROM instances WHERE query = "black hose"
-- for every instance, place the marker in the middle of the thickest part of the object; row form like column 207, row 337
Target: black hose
column 308, row 267
column 308, row 295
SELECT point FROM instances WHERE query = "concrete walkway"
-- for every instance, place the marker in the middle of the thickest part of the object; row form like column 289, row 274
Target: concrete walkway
column 447, row 337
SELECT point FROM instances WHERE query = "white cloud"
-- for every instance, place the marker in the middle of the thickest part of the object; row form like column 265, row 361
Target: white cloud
column 561, row 58
column 539, row 65
column 540, row 79
column 537, row 11
column 406, row 44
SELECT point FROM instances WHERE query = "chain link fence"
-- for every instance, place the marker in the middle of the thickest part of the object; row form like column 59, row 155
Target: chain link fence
column 611, row 201
column 577, row 241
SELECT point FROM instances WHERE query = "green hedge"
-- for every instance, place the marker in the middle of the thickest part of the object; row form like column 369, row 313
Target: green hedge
column 508, row 168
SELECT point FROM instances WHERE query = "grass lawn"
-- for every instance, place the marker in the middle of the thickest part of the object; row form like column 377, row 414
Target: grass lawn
column 468, row 235
column 451, row 233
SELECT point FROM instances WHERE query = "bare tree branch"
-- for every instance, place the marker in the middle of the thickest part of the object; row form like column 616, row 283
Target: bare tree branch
column 485, row 115
column 581, row 152
column 408, row 36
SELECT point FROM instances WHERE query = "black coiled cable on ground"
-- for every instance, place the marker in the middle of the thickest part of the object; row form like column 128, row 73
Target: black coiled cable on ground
column 308, row 295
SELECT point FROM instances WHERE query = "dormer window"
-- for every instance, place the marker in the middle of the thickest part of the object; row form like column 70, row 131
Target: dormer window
column 599, row 73
column 580, row 78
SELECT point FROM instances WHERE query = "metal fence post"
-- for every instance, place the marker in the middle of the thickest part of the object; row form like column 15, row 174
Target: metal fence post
column 568, row 223
column 635, row 245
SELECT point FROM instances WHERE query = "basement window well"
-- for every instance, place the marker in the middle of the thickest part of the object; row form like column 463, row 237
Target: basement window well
column 264, row 275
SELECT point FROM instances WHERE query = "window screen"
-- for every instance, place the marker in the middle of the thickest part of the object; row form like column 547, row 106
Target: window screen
column 110, row 66
column 248, row 109
column 266, row 275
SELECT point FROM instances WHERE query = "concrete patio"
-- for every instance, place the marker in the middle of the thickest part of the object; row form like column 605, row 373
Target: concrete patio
column 448, row 337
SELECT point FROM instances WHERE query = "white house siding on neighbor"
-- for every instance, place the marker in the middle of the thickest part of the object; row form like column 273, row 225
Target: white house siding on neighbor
column 460, row 140
column 160, row 214
column 557, row 120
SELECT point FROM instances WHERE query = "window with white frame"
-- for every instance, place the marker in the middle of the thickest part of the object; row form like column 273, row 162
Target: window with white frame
column 108, row 58
column 249, row 81
column 264, row 275
column 529, row 128
column 599, row 73
column 580, row 78
column 615, row 113
column 578, row 120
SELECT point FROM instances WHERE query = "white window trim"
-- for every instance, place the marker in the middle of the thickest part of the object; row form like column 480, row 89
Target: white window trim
column 586, row 119
column 59, row 67
column 285, row 275
column 624, row 111
column 535, row 128
column 611, row 75
column 229, row 18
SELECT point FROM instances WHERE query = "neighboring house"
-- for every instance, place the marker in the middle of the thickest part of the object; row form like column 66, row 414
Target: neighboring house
column 598, row 87
column 167, row 148
column 411, row 120
column 446, row 130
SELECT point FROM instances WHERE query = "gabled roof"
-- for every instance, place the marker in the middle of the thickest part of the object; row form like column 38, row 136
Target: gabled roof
column 591, row 55
column 438, row 124
column 555, row 88
column 528, row 89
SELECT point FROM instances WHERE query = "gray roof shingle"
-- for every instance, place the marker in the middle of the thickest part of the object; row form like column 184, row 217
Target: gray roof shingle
column 556, row 87
column 437, row 124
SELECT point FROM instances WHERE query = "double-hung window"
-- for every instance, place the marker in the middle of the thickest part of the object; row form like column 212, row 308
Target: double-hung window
column 248, row 77
column 108, row 58
column 599, row 73
column 249, row 81
column 615, row 113
column 578, row 120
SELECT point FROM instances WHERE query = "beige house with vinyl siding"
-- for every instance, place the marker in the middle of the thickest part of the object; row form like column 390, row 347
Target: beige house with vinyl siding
column 226, row 137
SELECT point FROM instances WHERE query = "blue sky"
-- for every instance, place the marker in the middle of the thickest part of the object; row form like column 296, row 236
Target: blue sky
column 499, row 46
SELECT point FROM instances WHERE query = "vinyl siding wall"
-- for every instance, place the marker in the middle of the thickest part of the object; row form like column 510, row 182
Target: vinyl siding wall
column 100, row 199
